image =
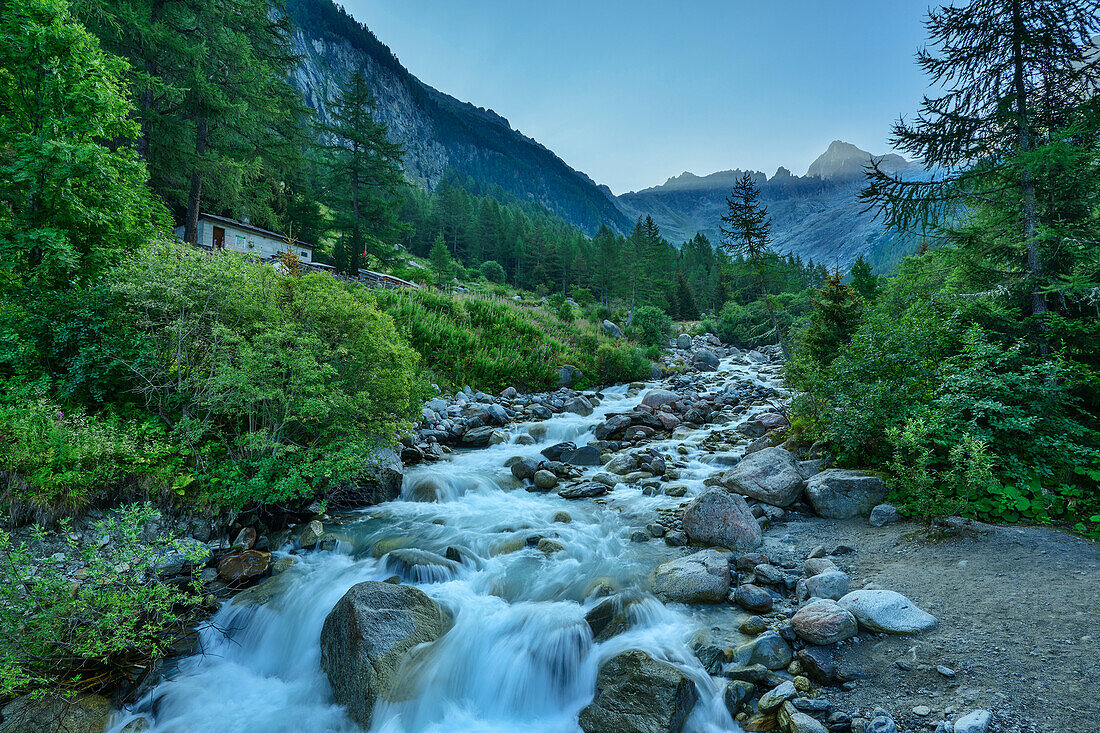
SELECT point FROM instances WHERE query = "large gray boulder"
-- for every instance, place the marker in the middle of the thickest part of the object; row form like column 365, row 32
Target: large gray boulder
column 887, row 612
column 568, row 375
column 705, row 360
column 366, row 637
column 824, row 622
column 703, row 577
column 655, row 398
column 683, row 341
column 610, row 329
column 56, row 714
column 717, row 517
column 841, row 494
column 770, row 475
column 637, row 694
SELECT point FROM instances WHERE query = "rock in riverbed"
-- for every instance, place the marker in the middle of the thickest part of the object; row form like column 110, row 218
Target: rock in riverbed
column 840, row 494
column 824, row 622
column 637, row 694
column 769, row 475
column 365, row 639
column 717, row 517
column 703, row 577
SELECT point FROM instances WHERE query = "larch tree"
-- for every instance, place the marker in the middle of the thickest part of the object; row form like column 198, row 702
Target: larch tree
column 364, row 177
column 746, row 233
column 1015, row 76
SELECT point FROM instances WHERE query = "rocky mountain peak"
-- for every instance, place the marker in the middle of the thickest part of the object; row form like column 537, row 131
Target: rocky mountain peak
column 845, row 161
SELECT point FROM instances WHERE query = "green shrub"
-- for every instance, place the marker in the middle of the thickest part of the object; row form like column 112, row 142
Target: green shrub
column 59, row 636
column 650, row 327
column 621, row 363
column 60, row 460
column 274, row 384
column 492, row 271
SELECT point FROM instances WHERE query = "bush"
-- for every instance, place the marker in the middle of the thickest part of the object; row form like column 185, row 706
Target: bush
column 621, row 363
column 492, row 271
column 60, row 460
column 278, row 386
column 650, row 327
column 59, row 636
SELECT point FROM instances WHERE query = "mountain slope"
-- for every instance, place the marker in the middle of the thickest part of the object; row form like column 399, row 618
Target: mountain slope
column 441, row 134
column 817, row 216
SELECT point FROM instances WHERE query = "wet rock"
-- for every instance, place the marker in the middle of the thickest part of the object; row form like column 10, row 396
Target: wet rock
column 752, row 626
column 717, row 517
column 769, row 475
column 563, row 517
column 771, row 700
column 548, row 546
column 420, row 565
column 56, row 714
column 703, row 577
column 245, row 539
column 622, row 464
column 558, row 450
column 610, row 617
column 799, row 722
column 831, row 584
column 637, row 694
column 753, row 599
column 545, row 480
column 976, row 721
column 478, row 437
column 705, row 360
column 841, row 494
column 824, row 622
column 309, row 534
column 262, row 593
column 657, row 398
column 524, row 468
column 366, row 637
column 735, row 694
column 676, row 538
column 588, row 455
column 756, row 674
column 768, row 649
column 888, row 612
column 884, row 514
column 381, row 482
column 282, row 564
column 640, row 535
column 584, row 490
column 675, row 490
column 243, row 567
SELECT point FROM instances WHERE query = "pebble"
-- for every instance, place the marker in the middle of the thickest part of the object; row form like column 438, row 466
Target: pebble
column 904, row 666
column 946, row 671
column 922, row 710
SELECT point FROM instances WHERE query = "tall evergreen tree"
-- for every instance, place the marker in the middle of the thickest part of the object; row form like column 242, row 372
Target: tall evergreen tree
column 1014, row 72
column 864, row 281
column 746, row 230
column 364, row 174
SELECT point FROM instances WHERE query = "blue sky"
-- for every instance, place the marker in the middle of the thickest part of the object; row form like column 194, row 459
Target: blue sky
column 634, row 92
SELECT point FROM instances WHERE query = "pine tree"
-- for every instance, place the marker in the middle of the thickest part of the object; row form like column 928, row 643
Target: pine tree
column 864, row 281
column 442, row 262
column 685, row 301
column 836, row 315
column 364, row 175
column 746, row 230
column 1015, row 72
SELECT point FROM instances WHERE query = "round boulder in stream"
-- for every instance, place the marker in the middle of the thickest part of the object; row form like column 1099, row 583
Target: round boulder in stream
column 637, row 694
column 703, row 577
column 717, row 517
column 366, row 637
column 769, row 475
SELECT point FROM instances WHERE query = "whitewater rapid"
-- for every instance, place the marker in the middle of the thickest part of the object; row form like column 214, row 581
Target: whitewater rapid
column 518, row 657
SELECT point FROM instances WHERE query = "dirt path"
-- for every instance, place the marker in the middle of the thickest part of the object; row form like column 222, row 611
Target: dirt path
column 1019, row 613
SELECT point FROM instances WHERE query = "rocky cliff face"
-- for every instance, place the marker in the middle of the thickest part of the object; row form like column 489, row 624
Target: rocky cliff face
column 441, row 134
column 817, row 216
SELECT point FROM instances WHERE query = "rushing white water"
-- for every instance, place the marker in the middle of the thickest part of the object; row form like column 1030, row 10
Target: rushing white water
column 519, row 656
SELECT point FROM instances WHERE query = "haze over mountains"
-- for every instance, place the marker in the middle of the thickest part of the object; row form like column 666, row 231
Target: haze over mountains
column 816, row 216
